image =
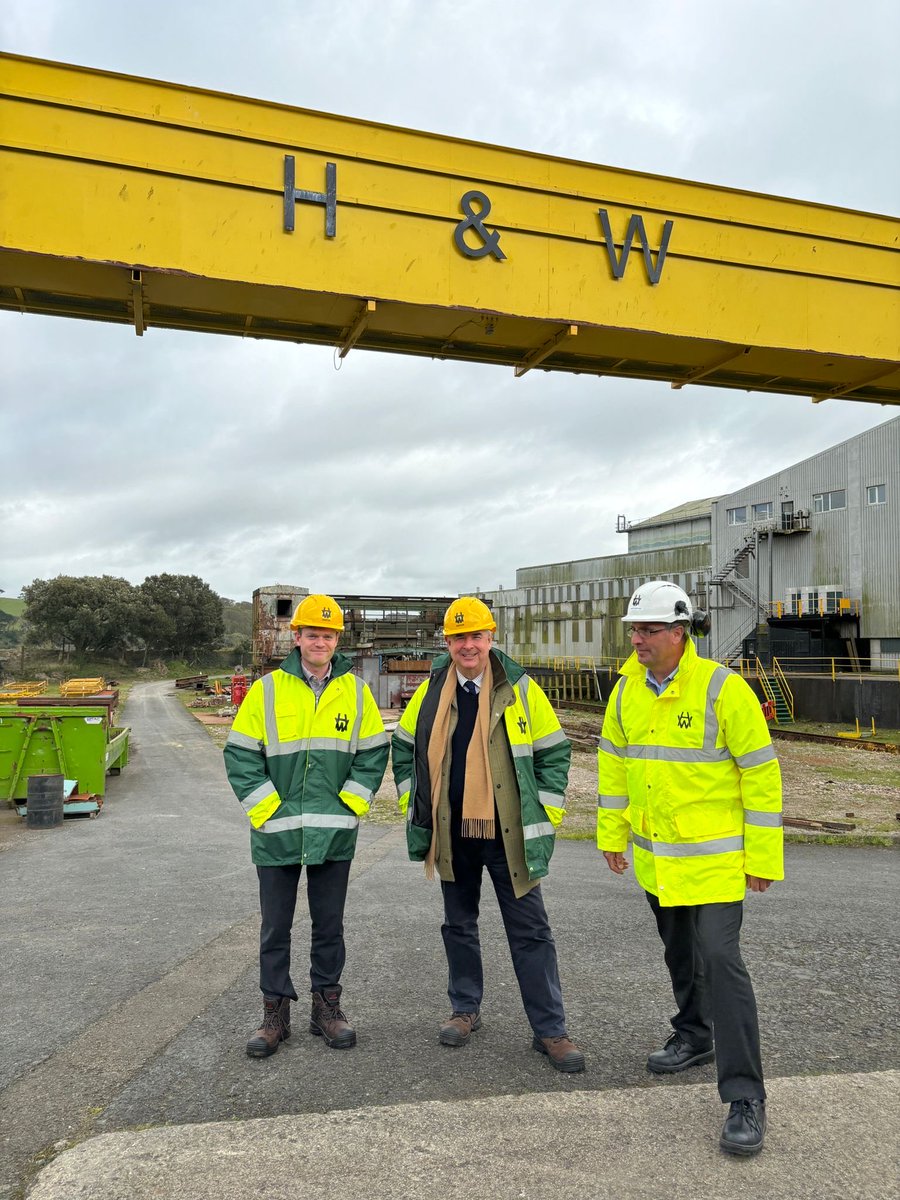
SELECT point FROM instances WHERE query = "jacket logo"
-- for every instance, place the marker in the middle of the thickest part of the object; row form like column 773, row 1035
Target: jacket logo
column 326, row 614
column 521, row 724
column 684, row 720
column 341, row 722
column 459, row 618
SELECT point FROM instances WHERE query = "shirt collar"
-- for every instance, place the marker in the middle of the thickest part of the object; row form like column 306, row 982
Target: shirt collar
column 313, row 680
column 463, row 681
column 655, row 686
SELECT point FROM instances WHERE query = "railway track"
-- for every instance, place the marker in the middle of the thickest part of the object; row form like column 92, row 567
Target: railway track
column 796, row 735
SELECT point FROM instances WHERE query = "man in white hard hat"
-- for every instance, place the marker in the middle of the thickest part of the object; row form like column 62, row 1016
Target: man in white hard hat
column 306, row 754
column 687, row 772
column 481, row 766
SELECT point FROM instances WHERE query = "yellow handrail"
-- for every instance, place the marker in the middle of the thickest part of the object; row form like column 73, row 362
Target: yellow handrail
column 782, row 682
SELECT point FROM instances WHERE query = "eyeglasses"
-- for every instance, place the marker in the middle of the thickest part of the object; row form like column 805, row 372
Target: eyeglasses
column 634, row 629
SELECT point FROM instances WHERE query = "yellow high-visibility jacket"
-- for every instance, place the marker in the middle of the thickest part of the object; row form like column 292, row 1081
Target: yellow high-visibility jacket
column 692, row 777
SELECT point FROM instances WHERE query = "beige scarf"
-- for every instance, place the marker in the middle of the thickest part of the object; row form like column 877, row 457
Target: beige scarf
column 478, row 795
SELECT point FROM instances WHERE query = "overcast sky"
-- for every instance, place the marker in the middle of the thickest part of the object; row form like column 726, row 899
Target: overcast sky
column 187, row 453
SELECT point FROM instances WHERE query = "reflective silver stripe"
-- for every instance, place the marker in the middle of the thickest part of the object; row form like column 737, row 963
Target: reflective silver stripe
column 714, row 687
column 293, row 747
column 328, row 821
column 612, row 801
column 309, row 820
column 522, row 687
column 552, row 798
column 357, row 723
column 404, row 736
column 338, row 745
column 676, row 753
column 755, row 758
column 244, row 741
column 373, row 740
column 403, row 787
column 522, row 750
column 611, row 748
column 259, row 794
column 754, row 816
column 619, row 690
column 541, row 829
column 268, row 684
column 358, row 789
column 689, row 849
column 549, row 739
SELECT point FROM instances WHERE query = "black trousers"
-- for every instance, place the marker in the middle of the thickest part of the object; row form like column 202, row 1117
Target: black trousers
column 527, row 931
column 713, row 990
column 326, row 891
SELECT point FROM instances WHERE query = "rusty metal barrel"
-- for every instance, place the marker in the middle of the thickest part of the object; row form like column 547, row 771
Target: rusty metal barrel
column 45, row 801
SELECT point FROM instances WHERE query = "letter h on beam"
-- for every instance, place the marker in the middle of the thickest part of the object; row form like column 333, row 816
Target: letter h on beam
column 292, row 194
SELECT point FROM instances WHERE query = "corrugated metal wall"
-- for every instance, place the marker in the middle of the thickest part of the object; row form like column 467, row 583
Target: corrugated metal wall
column 854, row 549
column 573, row 609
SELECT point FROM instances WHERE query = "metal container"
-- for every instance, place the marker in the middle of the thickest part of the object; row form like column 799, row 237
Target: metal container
column 79, row 743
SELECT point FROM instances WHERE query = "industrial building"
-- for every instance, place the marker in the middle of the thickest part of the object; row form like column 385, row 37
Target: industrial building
column 804, row 563
column 391, row 639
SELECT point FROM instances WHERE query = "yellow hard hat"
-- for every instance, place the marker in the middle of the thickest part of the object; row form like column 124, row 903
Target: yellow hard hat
column 319, row 612
column 468, row 614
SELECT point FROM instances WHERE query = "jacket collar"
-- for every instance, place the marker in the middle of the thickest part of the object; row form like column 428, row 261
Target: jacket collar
column 636, row 670
column 340, row 665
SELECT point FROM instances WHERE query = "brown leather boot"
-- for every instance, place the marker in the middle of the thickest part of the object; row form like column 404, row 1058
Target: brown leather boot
column 459, row 1027
column 328, row 1020
column 276, row 1027
column 563, row 1054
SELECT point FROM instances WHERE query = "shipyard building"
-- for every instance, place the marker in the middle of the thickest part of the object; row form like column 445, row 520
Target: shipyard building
column 803, row 564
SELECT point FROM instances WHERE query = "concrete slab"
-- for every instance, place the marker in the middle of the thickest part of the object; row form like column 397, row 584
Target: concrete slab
column 828, row 1136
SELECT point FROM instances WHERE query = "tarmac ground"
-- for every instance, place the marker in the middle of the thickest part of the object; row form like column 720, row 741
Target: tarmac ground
column 130, row 987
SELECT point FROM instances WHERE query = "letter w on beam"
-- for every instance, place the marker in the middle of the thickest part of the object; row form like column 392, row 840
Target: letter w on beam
column 357, row 328
column 542, row 352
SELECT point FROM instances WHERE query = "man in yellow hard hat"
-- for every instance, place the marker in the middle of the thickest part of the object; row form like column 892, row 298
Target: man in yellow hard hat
column 305, row 756
column 481, row 766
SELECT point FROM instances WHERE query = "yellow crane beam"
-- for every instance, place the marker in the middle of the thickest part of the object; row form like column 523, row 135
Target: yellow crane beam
column 131, row 200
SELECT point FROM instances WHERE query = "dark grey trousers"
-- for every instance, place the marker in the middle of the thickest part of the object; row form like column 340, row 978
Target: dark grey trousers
column 326, row 891
column 713, row 990
column 527, row 931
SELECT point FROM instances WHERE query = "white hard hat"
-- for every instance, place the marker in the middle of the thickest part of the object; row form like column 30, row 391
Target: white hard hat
column 659, row 600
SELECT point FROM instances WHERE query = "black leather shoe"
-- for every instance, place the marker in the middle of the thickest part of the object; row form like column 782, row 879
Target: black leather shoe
column 678, row 1055
column 744, row 1128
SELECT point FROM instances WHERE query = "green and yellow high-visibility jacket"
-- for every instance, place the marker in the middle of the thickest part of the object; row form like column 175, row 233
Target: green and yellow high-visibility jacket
column 305, row 772
column 540, row 754
column 692, row 776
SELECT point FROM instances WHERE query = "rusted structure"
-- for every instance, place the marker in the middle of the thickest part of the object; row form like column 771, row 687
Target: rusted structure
column 392, row 639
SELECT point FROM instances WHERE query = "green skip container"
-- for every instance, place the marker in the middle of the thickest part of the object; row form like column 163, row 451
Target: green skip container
column 79, row 743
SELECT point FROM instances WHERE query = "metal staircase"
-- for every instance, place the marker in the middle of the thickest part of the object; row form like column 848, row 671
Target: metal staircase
column 777, row 690
column 744, row 550
column 726, row 578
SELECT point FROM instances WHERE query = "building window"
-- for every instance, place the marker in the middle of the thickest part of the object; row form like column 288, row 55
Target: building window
column 829, row 501
column 737, row 516
column 876, row 494
column 764, row 511
column 833, row 599
column 575, row 632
